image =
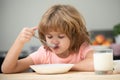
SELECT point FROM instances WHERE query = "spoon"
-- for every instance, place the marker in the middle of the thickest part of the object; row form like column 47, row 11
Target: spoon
column 48, row 44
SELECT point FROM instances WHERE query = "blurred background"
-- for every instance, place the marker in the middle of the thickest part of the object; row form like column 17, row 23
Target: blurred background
column 101, row 16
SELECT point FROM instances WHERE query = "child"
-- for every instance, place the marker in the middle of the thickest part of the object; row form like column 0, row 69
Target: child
column 64, row 27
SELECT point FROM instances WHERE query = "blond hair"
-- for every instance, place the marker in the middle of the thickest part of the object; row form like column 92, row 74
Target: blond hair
column 68, row 20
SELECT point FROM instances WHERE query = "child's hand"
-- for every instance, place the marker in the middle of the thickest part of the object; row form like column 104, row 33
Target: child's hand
column 26, row 34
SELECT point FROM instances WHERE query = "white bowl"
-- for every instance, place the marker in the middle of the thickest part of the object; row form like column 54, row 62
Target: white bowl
column 51, row 68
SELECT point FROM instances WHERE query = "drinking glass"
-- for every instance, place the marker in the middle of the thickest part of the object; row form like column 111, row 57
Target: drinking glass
column 103, row 61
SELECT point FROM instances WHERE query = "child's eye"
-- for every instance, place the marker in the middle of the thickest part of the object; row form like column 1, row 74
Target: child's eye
column 61, row 36
column 49, row 37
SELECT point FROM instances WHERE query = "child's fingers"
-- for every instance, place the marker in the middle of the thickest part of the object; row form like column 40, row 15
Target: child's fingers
column 35, row 28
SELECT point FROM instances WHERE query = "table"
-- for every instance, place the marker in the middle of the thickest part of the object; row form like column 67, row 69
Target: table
column 65, row 76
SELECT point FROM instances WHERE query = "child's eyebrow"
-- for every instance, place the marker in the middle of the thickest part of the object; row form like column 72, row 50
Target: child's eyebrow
column 48, row 34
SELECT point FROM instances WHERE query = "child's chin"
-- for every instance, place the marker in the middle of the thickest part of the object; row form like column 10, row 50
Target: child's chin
column 57, row 53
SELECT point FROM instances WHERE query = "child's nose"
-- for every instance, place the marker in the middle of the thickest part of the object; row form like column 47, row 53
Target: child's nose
column 55, row 41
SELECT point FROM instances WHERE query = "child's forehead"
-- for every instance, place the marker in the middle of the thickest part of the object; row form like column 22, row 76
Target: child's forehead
column 54, row 32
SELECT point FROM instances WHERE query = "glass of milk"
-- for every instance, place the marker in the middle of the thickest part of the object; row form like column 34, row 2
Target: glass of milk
column 103, row 61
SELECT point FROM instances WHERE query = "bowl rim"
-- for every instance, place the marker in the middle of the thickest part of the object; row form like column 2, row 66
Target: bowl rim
column 50, row 64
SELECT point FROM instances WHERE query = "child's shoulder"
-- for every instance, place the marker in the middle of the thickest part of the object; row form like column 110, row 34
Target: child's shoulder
column 41, row 48
column 85, row 44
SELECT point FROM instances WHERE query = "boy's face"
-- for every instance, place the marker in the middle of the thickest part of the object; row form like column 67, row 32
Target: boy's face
column 60, row 40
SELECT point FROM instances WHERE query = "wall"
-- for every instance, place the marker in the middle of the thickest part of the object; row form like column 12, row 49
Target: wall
column 16, row 14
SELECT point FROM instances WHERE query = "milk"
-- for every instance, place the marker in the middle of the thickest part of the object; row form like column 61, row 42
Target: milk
column 103, row 60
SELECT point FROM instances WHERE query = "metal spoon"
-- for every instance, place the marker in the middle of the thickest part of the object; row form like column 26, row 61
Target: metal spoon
column 48, row 44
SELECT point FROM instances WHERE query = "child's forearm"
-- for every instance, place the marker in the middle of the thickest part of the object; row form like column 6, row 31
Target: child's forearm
column 86, row 65
column 10, row 61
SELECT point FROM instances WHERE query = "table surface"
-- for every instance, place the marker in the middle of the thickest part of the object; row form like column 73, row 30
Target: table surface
column 65, row 76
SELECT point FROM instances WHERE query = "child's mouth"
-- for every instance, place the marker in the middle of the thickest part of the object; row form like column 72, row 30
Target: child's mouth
column 56, row 47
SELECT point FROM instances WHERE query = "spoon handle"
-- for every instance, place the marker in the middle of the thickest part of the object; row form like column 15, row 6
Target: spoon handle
column 50, row 45
column 40, row 39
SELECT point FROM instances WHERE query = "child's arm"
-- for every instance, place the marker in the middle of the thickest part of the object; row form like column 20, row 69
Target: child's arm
column 11, row 63
column 86, row 64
